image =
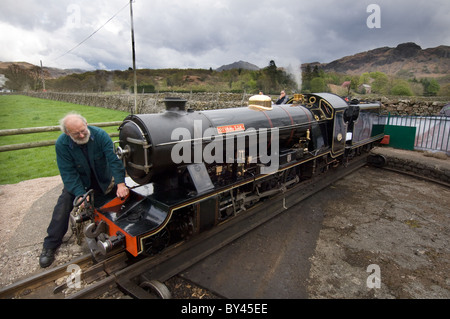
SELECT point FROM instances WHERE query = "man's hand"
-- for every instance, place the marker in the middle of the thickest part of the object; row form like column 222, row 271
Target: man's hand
column 122, row 190
column 80, row 200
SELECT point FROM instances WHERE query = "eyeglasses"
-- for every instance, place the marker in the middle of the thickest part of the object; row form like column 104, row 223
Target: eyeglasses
column 77, row 134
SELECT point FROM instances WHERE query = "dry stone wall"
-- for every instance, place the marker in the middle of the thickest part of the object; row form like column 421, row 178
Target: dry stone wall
column 148, row 103
column 153, row 103
column 429, row 165
column 412, row 106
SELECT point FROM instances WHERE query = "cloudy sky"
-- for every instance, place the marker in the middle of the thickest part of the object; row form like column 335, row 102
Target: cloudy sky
column 95, row 34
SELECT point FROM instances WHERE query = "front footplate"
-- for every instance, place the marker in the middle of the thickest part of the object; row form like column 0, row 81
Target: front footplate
column 124, row 223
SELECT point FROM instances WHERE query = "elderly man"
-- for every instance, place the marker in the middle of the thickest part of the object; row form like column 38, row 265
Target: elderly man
column 86, row 160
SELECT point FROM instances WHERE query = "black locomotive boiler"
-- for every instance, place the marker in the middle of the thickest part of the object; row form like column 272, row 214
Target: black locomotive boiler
column 192, row 170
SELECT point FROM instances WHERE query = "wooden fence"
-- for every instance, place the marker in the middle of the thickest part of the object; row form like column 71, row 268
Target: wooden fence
column 42, row 129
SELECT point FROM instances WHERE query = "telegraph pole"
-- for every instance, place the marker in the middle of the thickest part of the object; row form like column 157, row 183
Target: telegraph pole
column 134, row 59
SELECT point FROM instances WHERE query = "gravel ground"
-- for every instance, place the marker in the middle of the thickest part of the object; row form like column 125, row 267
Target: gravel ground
column 16, row 200
column 391, row 225
column 401, row 227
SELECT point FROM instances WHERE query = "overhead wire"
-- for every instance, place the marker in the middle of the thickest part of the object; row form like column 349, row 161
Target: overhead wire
column 92, row 34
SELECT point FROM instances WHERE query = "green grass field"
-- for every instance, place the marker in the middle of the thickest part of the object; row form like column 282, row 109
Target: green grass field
column 18, row 111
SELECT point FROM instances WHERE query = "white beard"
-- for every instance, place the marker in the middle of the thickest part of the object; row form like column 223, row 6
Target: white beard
column 83, row 140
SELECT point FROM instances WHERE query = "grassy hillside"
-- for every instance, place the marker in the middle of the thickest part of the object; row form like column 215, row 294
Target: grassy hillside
column 22, row 111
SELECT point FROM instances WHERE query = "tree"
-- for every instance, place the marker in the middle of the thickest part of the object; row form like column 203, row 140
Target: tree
column 380, row 83
column 271, row 71
column 272, row 79
column 401, row 88
column 430, row 87
column 272, row 65
column 315, row 72
column 364, row 79
column 317, row 85
column 306, row 78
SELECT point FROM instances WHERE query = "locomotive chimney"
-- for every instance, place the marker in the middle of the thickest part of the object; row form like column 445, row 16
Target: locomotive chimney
column 175, row 104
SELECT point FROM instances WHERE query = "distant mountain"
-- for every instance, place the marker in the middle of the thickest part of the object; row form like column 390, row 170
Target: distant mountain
column 56, row 73
column 238, row 65
column 406, row 60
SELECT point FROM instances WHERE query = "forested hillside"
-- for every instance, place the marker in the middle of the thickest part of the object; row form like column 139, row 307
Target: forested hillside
column 270, row 79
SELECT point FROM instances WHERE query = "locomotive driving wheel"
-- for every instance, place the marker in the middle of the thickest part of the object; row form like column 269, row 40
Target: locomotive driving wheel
column 156, row 288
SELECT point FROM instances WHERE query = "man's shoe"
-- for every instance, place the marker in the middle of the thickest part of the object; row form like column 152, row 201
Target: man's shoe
column 47, row 257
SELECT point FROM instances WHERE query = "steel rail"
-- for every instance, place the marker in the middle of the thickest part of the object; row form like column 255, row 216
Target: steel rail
column 42, row 285
column 29, row 286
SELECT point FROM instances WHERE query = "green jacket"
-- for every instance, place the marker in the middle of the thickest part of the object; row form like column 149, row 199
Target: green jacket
column 74, row 167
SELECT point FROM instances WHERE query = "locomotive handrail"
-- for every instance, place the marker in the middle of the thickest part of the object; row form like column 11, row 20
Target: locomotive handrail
column 138, row 142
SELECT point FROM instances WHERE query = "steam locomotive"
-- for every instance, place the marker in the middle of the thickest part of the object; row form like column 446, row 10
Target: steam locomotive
column 192, row 170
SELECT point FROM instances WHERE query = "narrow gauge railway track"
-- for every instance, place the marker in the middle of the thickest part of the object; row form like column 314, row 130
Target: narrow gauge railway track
column 42, row 285
column 141, row 278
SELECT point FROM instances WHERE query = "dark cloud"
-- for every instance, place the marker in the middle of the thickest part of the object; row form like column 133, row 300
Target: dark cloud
column 203, row 33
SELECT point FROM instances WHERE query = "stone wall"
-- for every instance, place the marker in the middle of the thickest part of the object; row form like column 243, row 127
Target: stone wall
column 433, row 173
column 153, row 103
column 412, row 106
column 428, row 165
column 148, row 103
